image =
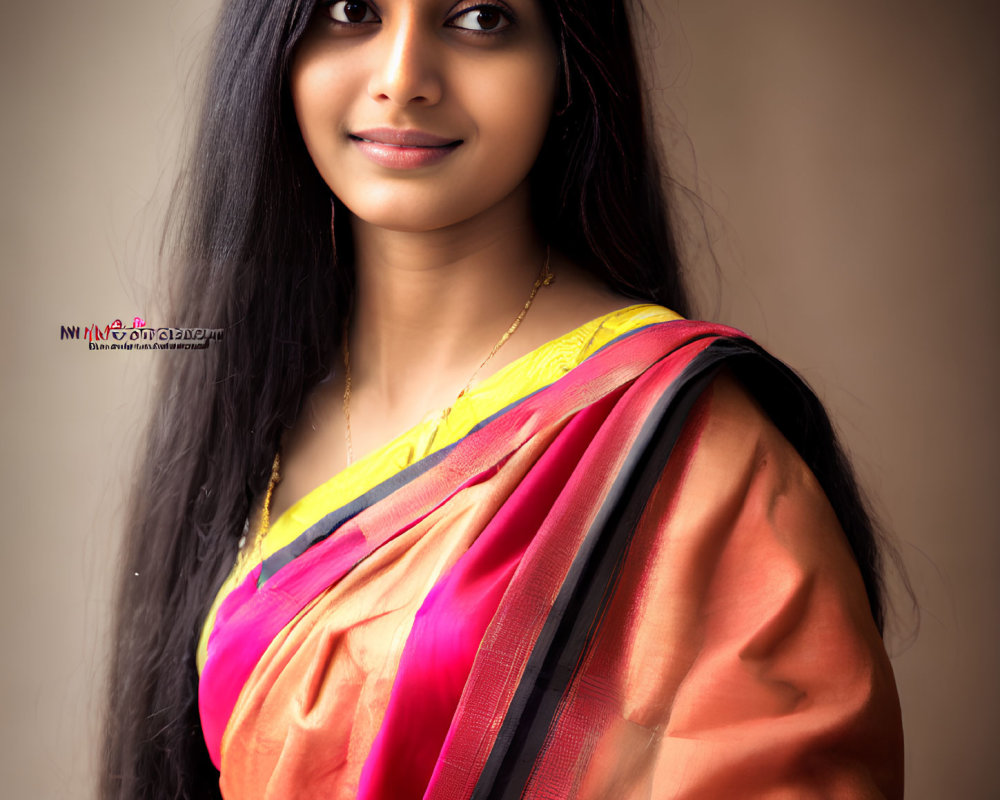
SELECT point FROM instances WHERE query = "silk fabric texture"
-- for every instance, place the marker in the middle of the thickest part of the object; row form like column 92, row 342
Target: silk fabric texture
column 610, row 576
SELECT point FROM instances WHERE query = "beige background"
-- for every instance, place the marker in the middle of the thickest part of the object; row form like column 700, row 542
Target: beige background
column 846, row 154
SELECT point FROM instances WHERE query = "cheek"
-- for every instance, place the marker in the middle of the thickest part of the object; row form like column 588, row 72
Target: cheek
column 313, row 101
column 519, row 114
column 320, row 89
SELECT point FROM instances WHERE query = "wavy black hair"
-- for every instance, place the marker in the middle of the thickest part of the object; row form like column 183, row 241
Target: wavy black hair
column 259, row 259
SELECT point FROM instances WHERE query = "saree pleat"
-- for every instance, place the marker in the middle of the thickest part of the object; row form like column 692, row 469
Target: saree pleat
column 624, row 584
column 433, row 671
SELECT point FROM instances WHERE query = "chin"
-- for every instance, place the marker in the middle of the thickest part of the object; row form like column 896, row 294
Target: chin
column 396, row 209
column 409, row 221
column 413, row 216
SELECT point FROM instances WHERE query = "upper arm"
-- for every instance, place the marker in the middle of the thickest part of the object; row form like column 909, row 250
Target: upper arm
column 751, row 664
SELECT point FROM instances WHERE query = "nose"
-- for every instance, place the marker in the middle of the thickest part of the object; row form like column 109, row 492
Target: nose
column 408, row 69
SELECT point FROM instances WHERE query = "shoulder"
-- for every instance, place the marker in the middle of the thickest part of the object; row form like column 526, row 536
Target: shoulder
column 780, row 673
column 733, row 444
column 747, row 428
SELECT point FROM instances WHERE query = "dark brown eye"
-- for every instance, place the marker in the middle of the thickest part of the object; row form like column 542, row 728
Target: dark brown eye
column 352, row 12
column 488, row 18
column 481, row 18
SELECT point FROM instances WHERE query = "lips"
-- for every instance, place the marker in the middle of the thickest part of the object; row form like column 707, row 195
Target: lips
column 396, row 148
column 400, row 137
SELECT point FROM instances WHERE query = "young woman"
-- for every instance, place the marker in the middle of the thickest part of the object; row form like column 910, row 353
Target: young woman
column 489, row 518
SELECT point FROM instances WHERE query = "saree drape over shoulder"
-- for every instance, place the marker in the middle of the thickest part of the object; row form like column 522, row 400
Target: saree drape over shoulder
column 607, row 574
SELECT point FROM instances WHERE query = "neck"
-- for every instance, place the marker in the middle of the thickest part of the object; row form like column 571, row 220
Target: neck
column 435, row 303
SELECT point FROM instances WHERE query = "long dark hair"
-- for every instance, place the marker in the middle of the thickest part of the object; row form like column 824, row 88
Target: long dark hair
column 260, row 260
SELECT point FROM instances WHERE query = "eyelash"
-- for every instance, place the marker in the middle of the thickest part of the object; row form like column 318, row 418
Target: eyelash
column 505, row 12
column 329, row 4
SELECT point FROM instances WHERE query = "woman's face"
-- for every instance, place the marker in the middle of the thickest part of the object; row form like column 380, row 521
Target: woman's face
column 420, row 114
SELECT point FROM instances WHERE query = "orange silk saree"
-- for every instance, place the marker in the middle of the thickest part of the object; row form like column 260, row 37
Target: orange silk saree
column 625, row 582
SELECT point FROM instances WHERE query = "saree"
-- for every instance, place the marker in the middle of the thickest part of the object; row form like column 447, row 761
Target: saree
column 614, row 574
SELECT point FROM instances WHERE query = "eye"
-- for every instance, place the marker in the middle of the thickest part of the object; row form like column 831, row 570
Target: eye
column 481, row 19
column 351, row 12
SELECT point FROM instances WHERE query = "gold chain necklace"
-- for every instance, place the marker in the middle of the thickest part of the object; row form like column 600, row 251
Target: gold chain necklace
column 265, row 511
column 545, row 277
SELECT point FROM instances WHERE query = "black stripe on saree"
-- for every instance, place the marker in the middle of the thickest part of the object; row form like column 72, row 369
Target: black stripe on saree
column 589, row 585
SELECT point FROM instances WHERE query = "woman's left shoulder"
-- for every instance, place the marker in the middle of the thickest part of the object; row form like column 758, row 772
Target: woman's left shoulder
column 786, row 660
